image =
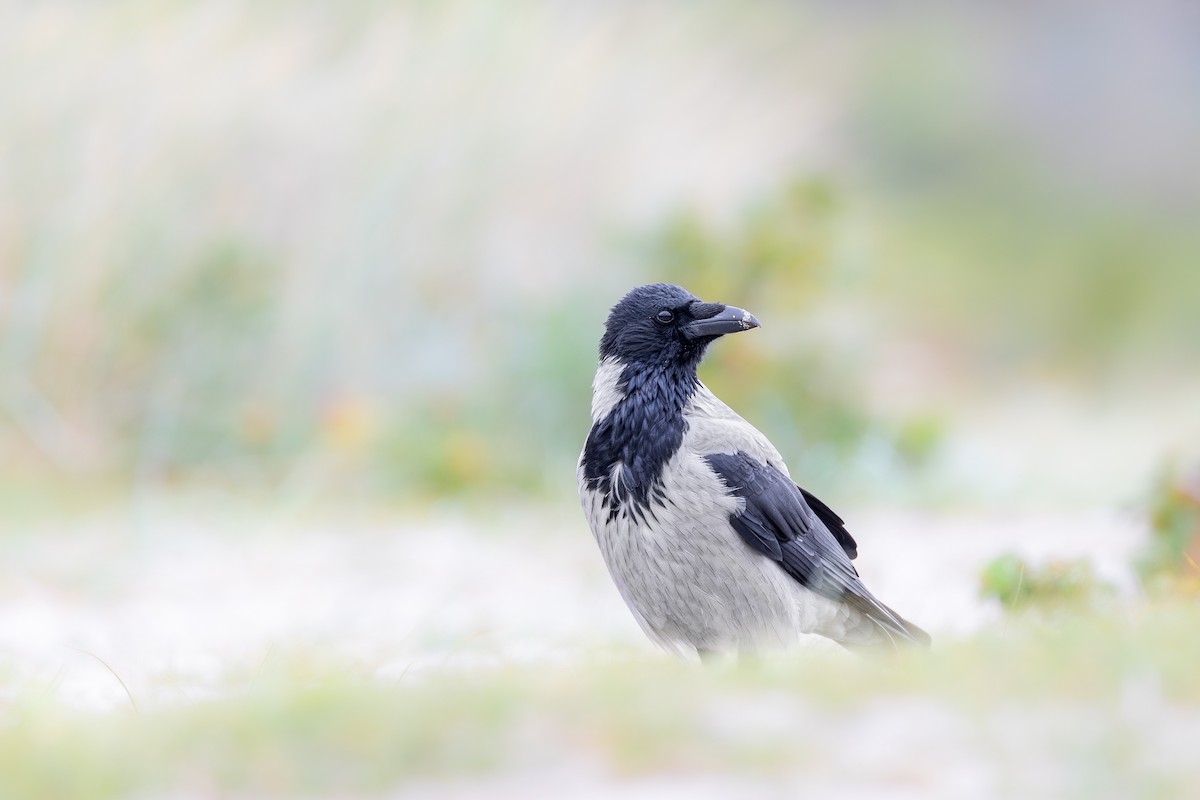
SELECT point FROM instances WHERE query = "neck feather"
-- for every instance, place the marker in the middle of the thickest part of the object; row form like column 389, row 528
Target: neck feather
column 638, row 426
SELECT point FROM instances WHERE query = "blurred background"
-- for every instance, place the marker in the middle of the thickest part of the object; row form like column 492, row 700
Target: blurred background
column 367, row 251
column 274, row 273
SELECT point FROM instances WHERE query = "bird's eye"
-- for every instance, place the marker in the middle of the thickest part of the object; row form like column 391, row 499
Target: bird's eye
column 664, row 317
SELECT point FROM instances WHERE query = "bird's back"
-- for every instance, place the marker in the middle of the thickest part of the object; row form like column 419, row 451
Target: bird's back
column 714, row 427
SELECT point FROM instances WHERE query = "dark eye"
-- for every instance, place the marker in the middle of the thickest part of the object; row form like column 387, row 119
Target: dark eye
column 664, row 317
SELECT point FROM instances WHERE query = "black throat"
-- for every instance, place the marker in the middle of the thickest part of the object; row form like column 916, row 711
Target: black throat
column 641, row 434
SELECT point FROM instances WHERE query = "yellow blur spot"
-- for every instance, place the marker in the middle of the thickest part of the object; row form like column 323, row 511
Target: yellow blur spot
column 348, row 423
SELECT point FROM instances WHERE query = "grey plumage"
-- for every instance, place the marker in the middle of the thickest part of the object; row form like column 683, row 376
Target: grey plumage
column 710, row 543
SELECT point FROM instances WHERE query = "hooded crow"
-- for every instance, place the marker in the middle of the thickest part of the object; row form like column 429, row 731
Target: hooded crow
column 711, row 544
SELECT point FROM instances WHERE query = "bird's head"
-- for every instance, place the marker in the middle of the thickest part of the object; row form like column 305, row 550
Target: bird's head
column 665, row 325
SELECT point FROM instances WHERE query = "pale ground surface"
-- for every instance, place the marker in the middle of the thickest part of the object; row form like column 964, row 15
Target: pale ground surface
column 172, row 605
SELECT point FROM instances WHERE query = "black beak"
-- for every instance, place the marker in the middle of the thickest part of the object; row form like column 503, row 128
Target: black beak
column 730, row 320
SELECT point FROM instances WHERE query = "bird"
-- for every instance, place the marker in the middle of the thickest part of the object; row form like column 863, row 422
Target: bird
column 711, row 544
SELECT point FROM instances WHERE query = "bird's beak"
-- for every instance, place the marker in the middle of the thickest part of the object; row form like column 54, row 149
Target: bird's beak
column 731, row 320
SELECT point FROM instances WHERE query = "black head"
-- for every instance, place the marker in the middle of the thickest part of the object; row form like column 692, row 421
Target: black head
column 662, row 324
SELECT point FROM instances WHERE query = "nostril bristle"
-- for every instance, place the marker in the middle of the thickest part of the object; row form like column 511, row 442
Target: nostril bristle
column 701, row 310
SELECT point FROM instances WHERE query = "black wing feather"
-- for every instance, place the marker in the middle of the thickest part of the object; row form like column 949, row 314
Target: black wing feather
column 836, row 525
column 780, row 523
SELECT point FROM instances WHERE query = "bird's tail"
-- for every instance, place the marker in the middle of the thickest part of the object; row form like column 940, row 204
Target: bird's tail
column 914, row 633
column 881, row 627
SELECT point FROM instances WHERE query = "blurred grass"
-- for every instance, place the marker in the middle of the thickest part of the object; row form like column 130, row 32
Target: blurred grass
column 299, row 727
column 1057, row 585
column 369, row 247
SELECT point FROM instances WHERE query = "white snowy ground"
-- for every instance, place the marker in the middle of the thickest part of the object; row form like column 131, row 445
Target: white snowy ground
column 172, row 603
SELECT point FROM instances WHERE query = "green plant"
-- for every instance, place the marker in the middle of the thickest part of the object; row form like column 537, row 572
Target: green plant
column 1017, row 585
column 1170, row 560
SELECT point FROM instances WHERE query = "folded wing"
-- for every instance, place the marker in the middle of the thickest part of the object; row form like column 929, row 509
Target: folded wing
column 809, row 541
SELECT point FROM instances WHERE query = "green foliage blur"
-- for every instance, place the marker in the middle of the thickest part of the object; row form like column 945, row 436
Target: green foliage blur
column 1070, row 585
column 1170, row 561
column 779, row 261
column 781, row 258
column 366, row 249
column 1166, row 565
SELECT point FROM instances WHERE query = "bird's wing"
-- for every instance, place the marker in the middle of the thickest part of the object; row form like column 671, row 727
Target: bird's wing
column 779, row 523
column 835, row 524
